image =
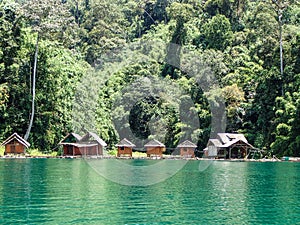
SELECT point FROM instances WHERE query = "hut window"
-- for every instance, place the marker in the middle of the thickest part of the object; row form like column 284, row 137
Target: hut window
column 122, row 148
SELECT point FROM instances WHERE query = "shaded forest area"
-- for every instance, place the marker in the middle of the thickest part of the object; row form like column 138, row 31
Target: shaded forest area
column 252, row 47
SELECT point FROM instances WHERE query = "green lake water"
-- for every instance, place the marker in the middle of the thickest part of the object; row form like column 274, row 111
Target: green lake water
column 70, row 191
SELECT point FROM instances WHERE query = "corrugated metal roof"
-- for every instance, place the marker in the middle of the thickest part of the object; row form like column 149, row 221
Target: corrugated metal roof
column 215, row 142
column 227, row 137
column 76, row 136
column 154, row 143
column 18, row 138
column 88, row 135
column 230, row 143
column 186, row 144
column 124, row 142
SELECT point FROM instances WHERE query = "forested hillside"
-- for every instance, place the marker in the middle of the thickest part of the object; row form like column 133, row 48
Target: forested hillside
column 48, row 48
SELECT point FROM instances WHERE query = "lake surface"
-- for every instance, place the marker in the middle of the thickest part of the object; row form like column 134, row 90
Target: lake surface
column 70, row 191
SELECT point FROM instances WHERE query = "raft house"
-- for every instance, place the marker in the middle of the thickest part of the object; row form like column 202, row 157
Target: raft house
column 187, row 149
column 70, row 144
column 228, row 146
column 154, row 148
column 15, row 144
column 125, row 148
column 88, row 145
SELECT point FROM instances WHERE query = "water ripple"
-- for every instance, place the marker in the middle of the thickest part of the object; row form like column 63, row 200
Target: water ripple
column 61, row 191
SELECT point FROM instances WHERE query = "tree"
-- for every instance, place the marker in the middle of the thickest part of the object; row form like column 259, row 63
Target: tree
column 49, row 19
column 280, row 6
column 284, row 117
column 217, row 32
column 103, row 30
column 12, row 81
column 180, row 13
column 234, row 97
column 60, row 71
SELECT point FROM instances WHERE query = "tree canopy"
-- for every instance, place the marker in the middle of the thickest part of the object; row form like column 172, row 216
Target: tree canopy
column 147, row 69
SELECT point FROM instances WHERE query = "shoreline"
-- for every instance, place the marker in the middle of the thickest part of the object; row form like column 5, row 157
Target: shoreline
column 284, row 159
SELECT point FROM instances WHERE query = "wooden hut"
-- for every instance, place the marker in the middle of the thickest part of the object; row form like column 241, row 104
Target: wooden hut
column 154, row 147
column 15, row 144
column 187, row 149
column 91, row 144
column 70, row 144
column 125, row 147
column 228, row 145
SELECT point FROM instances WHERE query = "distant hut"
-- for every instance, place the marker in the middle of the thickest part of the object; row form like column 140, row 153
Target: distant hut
column 92, row 144
column 70, row 144
column 125, row 147
column 187, row 149
column 15, row 144
column 154, row 147
column 228, row 145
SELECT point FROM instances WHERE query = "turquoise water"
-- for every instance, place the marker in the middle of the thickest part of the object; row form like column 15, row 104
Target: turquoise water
column 69, row 191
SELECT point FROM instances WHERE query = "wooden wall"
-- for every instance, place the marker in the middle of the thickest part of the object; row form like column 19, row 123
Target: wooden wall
column 88, row 150
column 155, row 151
column 187, row 152
column 124, row 151
column 14, row 147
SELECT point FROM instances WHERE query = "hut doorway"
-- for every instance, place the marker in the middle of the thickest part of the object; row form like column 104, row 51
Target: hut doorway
column 70, row 150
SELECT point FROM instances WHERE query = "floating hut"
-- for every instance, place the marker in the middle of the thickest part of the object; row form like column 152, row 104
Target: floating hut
column 154, row 147
column 228, row 145
column 90, row 144
column 125, row 147
column 70, row 144
column 187, row 149
column 15, row 144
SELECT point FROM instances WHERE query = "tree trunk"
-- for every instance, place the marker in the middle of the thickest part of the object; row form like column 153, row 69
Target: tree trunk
column 281, row 50
column 33, row 88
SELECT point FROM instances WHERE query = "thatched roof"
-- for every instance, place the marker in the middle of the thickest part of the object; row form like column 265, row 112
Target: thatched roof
column 186, row 144
column 90, row 136
column 125, row 143
column 154, row 143
column 18, row 138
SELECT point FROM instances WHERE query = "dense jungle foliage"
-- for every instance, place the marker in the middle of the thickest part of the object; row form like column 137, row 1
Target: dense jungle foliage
column 52, row 53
